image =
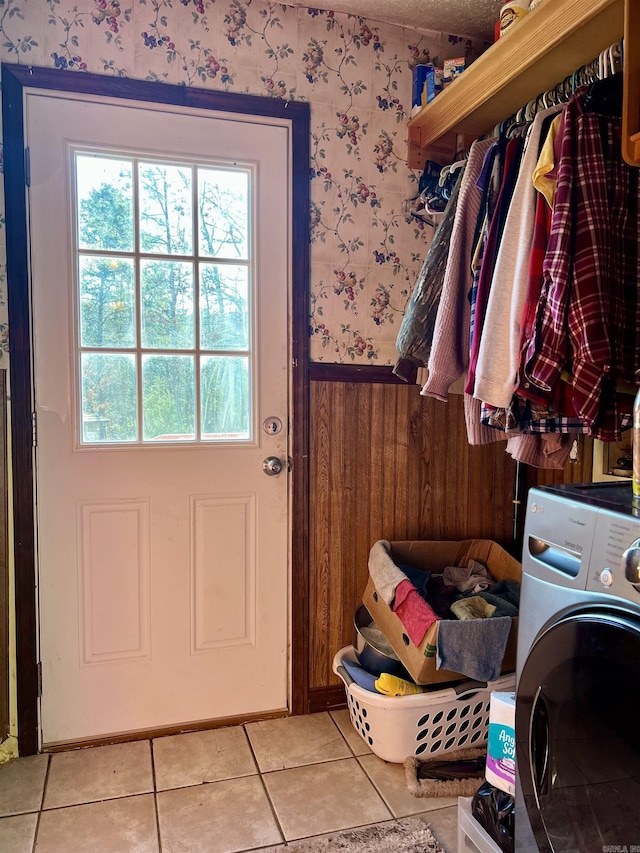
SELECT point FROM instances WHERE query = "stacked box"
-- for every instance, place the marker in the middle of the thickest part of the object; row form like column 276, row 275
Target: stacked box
column 424, row 87
column 453, row 68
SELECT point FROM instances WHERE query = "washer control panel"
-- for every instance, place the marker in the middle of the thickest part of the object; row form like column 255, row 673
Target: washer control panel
column 606, row 577
column 614, row 561
column 591, row 545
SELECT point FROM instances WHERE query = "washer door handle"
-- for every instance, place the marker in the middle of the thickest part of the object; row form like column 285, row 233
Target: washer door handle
column 539, row 746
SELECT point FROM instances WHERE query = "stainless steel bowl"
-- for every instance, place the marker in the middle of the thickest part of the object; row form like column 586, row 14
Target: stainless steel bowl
column 370, row 656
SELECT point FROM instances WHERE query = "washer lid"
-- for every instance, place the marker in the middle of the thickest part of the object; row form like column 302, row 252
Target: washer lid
column 607, row 495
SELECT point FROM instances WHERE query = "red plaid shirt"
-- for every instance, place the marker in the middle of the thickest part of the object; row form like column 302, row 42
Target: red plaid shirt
column 587, row 320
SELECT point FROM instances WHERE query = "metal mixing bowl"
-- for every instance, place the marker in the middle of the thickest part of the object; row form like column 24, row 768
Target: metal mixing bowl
column 375, row 660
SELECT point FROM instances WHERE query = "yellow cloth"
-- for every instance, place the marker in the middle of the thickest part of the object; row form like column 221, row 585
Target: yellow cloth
column 541, row 180
column 473, row 607
column 391, row 685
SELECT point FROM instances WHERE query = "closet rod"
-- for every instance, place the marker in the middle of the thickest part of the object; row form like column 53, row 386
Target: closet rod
column 608, row 62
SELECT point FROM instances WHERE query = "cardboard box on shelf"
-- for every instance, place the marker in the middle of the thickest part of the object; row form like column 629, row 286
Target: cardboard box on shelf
column 424, row 87
column 434, row 556
column 453, row 68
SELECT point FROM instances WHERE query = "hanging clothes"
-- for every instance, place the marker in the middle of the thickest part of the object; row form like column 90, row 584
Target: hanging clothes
column 499, row 347
column 540, row 293
column 541, row 451
column 587, row 318
column 513, row 155
column 416, row 330
column 449, row 354
column 545, row 175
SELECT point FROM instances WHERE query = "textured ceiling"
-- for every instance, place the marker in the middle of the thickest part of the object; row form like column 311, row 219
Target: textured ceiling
column 460, row 17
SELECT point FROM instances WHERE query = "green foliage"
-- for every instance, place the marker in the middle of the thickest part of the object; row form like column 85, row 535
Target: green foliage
column 168, row 400
column 105, row 219
column 109, row 400
column 167, row 300
column 225, row 396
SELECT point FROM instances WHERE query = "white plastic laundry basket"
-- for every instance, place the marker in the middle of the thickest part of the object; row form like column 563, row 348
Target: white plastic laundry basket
column 427, row 724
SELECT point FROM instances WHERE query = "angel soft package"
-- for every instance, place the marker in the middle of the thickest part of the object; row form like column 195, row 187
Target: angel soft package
column 501, row 750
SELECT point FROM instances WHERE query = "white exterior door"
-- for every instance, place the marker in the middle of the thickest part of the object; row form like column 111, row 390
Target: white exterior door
column 160, row 269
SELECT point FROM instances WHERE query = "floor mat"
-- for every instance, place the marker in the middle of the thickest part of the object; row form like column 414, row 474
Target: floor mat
column 409, row 835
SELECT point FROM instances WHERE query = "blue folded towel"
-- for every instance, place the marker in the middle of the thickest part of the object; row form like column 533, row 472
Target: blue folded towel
column 361, row 677
column 473, row 647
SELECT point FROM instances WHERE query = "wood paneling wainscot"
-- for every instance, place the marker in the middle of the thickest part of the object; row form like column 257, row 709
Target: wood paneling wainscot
column 386, row 463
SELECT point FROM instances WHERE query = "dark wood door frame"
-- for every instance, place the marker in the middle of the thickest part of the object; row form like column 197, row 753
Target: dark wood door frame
column 4, row 567
column 15, row 79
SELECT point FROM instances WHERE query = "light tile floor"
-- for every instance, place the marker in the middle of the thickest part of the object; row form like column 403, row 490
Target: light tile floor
column 251, row 787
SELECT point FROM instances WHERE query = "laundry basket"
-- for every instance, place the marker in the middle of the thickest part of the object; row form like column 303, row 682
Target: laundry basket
column 426, row 724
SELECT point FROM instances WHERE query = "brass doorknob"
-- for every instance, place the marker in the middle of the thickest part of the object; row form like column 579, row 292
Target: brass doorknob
column 272, row 466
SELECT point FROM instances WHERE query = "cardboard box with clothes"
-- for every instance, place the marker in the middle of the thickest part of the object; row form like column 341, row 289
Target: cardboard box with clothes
column 405, row 597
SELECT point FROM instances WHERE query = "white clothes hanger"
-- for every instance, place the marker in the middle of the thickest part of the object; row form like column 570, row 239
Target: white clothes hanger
column 443, row 174
column 449, row 169
column 603, row 66
column 615, row 58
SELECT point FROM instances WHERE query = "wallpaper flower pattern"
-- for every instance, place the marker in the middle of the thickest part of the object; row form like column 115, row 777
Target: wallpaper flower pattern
column 366, row 248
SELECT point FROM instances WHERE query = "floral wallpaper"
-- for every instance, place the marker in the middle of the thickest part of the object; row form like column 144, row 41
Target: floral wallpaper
column 366, row 248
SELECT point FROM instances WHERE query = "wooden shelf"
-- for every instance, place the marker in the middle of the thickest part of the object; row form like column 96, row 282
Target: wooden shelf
column 547, row 45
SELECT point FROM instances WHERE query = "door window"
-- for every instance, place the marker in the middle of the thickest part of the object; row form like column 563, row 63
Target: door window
column 164, row 296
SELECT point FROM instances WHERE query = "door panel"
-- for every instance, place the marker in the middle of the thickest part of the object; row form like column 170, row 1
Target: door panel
column 163, row 551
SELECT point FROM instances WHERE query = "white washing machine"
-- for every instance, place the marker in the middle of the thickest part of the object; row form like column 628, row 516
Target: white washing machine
column 578, row 672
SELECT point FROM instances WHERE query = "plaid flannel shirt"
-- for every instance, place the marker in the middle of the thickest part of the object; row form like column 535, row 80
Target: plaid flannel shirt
column 587, row 319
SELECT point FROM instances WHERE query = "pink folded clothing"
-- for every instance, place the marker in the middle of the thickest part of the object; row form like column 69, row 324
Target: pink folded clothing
column 413, row 611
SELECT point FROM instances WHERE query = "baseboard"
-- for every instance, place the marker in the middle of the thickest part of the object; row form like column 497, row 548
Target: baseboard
column 162, row 731
column 326, row 699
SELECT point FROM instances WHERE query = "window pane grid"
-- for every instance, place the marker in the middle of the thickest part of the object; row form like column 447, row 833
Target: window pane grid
column 164, row 301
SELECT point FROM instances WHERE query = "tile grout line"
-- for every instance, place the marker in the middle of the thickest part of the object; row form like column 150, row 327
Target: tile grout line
column 364, row 770
column 351, row 750
column 377, row 789
column 375, row 786
column 361, row 763
column 155, row 795
column 353, row 756
column 264, row 786
column 44, row 788
column 64, row 806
